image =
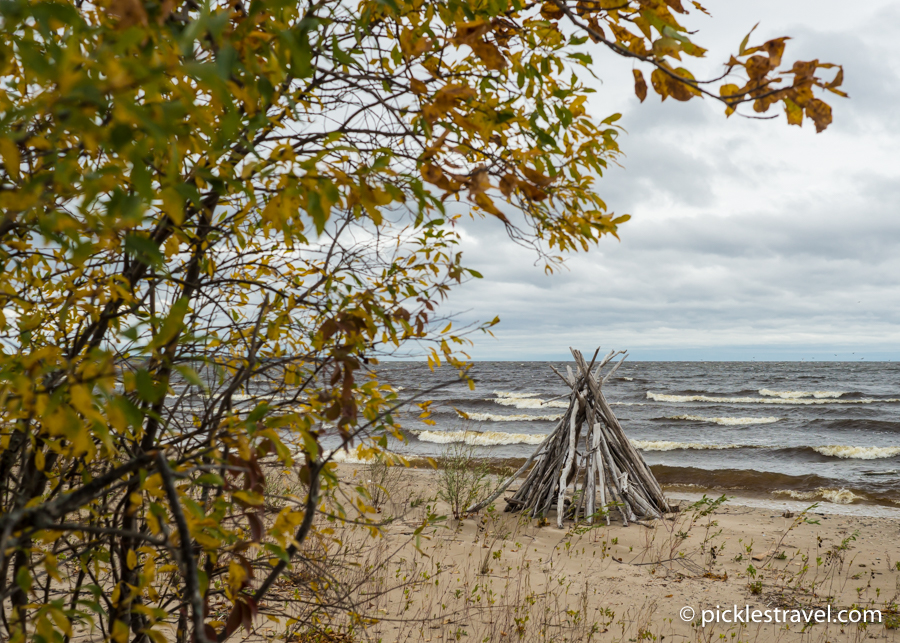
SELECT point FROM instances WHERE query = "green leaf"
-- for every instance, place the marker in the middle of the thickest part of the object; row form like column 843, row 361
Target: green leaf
column 148, row 388
column 297, row 41
column 746, row 39
column 212, row 479
column 277, row 551
column 583, row 58
column 258, row 413
column 172, row 324
column 190, row 375
column 225, row 60
column 23, row 578
column 143, row 250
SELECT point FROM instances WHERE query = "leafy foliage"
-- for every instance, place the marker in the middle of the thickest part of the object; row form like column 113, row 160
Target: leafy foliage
column 217, row 216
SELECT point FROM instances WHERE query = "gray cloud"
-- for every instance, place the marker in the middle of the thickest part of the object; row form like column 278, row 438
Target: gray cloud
column 749, row 238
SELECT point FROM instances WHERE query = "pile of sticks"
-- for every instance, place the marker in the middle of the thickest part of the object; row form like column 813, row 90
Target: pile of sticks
column 605, row 461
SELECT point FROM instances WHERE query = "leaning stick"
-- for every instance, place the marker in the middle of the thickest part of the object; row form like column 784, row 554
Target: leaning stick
column 590, row 489
column 484, row 503
column 563, row 478
column 601, row 474
column 631, row 457
column 625, row 478
column 632, row 454
column 615, row 368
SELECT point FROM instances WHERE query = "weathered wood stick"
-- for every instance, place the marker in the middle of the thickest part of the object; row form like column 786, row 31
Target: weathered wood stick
column 633, row 455
column 609, row 458
column 484, row 503
column 592, row 384
column 616, row 497
column 598, row 463
column 583, row 496
column 558, row 397
column 632, row 458
column 611, row 464
column 603, row 363
column 590, row 478
column 593, row 359
column 614, row 369
column 570, row 457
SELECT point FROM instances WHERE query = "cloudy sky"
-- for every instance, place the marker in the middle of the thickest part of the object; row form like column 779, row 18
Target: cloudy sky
column 749, row 239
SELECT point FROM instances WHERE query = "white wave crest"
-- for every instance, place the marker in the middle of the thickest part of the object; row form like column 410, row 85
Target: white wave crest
column 347, row 458
column 797, row 495
column 858, row 453
column 663, row 445
column 793, row 395
column 627, row 379
column 726, row 421
column 519, row 417
column 659, row 397
column 529, row 403
column 479, row 438
column 837, row 496
column 342, row 456
column 515, row 396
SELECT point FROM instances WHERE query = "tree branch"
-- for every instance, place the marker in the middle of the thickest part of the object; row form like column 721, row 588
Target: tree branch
column 188, row 562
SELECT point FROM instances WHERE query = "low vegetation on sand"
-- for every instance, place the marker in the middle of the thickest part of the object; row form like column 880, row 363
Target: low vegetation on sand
column 498, row 576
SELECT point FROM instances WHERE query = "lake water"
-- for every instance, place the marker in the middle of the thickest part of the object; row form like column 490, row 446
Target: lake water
column 804, row 431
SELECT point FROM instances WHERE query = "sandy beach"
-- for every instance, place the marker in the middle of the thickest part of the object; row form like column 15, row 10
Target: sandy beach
column 497, row 576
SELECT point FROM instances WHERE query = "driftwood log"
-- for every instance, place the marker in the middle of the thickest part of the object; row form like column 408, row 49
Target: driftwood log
column 608, row 462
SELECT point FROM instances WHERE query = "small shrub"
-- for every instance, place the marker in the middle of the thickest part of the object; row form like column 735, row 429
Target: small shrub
column 464, row 478
column 280, row 488
column 755, row 587
column 381, row 476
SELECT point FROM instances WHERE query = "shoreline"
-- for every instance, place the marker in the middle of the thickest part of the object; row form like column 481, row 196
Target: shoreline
column 856, row 501
column 616, row 583
column 795, row 506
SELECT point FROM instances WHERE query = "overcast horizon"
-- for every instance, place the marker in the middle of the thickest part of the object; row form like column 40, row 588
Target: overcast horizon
column 749, row 239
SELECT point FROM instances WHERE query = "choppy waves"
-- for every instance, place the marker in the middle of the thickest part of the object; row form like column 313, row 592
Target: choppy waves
column 833, row 451
column 660, row 397
column 496, row 438
column 808, row 487
column 528, row 403
column 858, row 453
column 725, row 421
column 518, row 417
column 345, row 457
column 665, row 445
column 479, row 438
column 793, row 395
column 839, row 496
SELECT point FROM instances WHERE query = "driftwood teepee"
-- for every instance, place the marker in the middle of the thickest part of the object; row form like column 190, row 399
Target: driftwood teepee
column 608, row 462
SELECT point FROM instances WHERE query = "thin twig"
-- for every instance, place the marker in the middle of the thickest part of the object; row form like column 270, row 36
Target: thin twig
column 187, row 556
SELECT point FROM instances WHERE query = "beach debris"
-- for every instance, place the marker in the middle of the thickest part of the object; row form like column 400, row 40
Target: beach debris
column 607, row 463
